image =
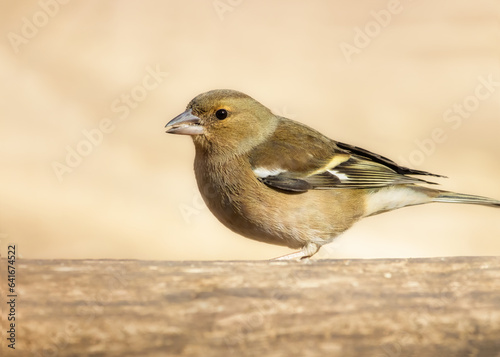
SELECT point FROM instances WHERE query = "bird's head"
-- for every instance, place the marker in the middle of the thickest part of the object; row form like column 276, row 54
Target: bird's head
column 224, row 121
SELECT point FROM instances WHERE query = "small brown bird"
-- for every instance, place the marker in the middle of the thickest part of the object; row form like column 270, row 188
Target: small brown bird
column 278, row 181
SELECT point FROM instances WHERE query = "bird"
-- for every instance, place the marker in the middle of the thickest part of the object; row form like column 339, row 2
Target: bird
column 278, row 181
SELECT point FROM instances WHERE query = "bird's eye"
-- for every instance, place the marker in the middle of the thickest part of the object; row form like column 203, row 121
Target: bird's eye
column 221, row 114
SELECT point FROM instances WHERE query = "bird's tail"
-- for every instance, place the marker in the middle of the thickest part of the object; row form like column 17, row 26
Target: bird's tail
column 453, row 197
column 390, row 198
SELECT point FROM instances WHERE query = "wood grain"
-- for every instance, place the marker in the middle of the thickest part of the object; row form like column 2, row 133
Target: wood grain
column 394, row 307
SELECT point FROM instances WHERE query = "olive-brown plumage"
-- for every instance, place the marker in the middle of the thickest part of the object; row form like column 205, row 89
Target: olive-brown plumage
column 277, row 181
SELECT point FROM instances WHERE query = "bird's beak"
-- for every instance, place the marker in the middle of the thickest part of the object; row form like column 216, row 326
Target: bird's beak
column 186, row 124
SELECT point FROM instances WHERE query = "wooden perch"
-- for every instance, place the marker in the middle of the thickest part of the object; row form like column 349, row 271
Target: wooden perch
column 391, row 307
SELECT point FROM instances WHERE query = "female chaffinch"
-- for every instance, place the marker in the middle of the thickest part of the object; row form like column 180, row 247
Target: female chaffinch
column 278, row 181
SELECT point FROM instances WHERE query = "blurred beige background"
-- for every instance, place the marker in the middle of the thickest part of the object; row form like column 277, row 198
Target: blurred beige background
column 417, row 81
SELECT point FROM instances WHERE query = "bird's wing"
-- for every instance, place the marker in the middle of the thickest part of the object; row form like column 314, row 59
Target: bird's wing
column 297, row 159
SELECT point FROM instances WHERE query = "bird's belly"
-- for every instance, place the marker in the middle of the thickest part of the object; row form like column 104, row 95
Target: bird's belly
column 290, row 219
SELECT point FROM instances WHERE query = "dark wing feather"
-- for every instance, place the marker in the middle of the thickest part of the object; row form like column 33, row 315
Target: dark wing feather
column 383, row 160
column 287, row 184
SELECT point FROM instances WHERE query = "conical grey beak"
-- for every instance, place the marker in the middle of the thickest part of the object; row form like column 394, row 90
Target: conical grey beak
column 186, row 124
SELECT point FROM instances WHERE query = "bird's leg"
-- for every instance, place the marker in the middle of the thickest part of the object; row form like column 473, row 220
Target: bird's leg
column 292, row 256
column 308, row 251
